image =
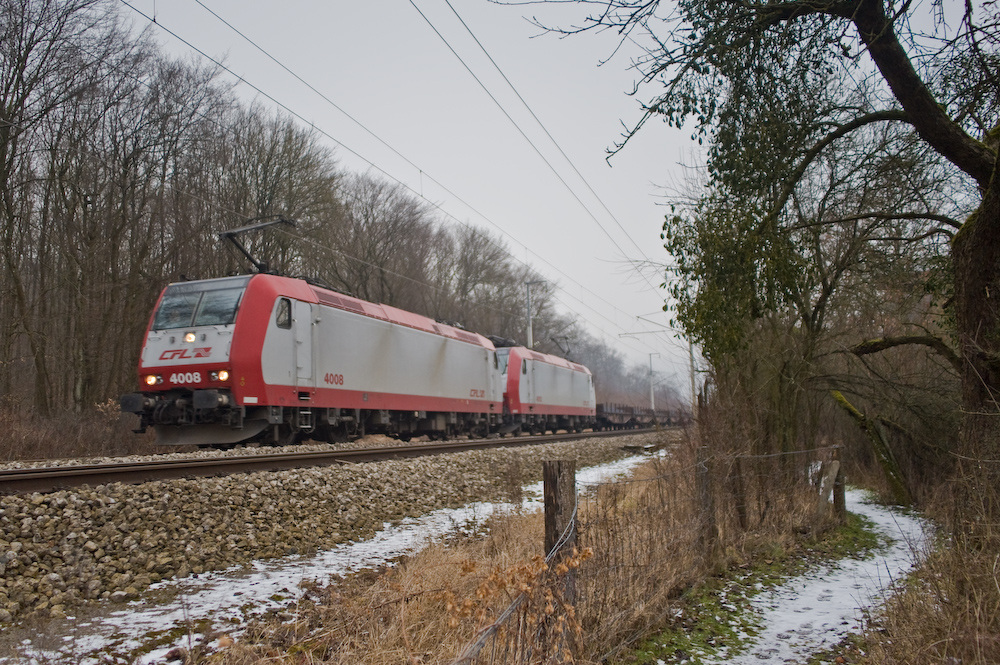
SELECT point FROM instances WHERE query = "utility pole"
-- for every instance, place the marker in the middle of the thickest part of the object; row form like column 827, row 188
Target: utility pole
column 527, row 289
column 691, row 362
column 694, row 389
column 652, row 402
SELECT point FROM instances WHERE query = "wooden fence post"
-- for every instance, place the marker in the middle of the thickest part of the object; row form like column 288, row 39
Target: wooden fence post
column 559, row 489
column 827, row 484
column 839, row 499
column 706, row 501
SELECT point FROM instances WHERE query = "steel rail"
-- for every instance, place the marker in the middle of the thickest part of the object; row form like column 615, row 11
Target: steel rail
column 48, row 479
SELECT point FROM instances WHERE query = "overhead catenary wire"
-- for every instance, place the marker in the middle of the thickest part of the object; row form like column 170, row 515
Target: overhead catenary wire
column 218, row 205
column 371, row 164
column 382, row 268
column 408, row 161
column 546, row 131
column 599, row 328
column 405, row 277
column 528, row 139
column 636, row 265
column 367, row 161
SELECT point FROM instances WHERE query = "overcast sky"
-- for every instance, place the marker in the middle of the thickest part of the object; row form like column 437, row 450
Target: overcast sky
column 440, row 133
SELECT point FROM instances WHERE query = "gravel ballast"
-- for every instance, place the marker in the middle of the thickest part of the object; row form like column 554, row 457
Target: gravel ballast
column 61, row 549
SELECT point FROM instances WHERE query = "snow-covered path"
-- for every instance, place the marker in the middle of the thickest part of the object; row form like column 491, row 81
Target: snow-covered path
column 815, row 611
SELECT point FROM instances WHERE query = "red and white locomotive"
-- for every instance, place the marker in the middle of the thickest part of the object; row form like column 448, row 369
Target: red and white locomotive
column 274, row 358
column 544, row 392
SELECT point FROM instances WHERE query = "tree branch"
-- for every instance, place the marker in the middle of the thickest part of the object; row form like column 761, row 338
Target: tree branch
column 924, row 112
column 886, row 217
column 880, row 447
column 882, row 344
column 868, row 119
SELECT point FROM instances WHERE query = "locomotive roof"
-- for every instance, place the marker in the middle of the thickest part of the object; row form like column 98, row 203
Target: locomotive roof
column 398, row 316
column 304, row 290
column 525, row 352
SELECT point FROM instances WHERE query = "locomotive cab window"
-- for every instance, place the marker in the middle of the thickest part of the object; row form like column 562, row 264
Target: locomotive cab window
column 283, row 316
column 218, row 307
column 524, row 367
column 205, row 303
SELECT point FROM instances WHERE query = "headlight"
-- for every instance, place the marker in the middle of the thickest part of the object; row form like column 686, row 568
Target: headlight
column 189, row 337
column 221, row 375
column 153, row 379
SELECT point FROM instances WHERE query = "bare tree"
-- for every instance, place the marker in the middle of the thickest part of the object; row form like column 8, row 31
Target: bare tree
column 379, row 250
column 53, row 56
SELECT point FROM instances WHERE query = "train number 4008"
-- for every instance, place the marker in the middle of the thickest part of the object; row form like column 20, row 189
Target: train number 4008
column 334, row 379
column 185, row 377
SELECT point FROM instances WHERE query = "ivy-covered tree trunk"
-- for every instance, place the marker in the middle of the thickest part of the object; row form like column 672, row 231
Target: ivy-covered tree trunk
column 976, row 255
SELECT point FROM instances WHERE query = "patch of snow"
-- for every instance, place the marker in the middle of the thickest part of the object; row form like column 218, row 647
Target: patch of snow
column 805, row 614
column 816, row 610
column 229, row 597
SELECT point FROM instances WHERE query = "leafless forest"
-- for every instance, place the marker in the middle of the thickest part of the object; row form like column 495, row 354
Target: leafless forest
column 121, row 165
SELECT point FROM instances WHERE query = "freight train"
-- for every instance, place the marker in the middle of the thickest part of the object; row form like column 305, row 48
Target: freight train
column 275, row 359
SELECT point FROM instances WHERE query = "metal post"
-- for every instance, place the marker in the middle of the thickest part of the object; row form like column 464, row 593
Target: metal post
column 527, row 289
column 694, row 390
column 652, row 402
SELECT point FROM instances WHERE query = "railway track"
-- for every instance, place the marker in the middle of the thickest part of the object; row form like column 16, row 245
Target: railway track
column 48, row 479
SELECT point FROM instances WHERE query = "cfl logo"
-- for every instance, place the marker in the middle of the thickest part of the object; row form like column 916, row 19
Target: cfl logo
column 186, row 354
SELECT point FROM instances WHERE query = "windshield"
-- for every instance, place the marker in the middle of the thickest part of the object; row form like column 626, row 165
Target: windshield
column 207, row 303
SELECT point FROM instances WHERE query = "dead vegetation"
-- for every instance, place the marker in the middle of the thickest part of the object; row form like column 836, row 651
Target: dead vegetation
column 100, row 431
column 641, row 543
column 424, row 609
column 948, row 610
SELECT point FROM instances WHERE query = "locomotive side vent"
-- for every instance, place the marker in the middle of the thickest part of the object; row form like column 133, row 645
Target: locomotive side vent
column 338, row 302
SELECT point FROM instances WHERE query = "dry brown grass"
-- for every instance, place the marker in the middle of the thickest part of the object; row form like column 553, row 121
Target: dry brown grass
column 639, row 548
column 645, row 536
column 101, row 431
column 651, row 542
column 948, row 610
column 422, row 610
